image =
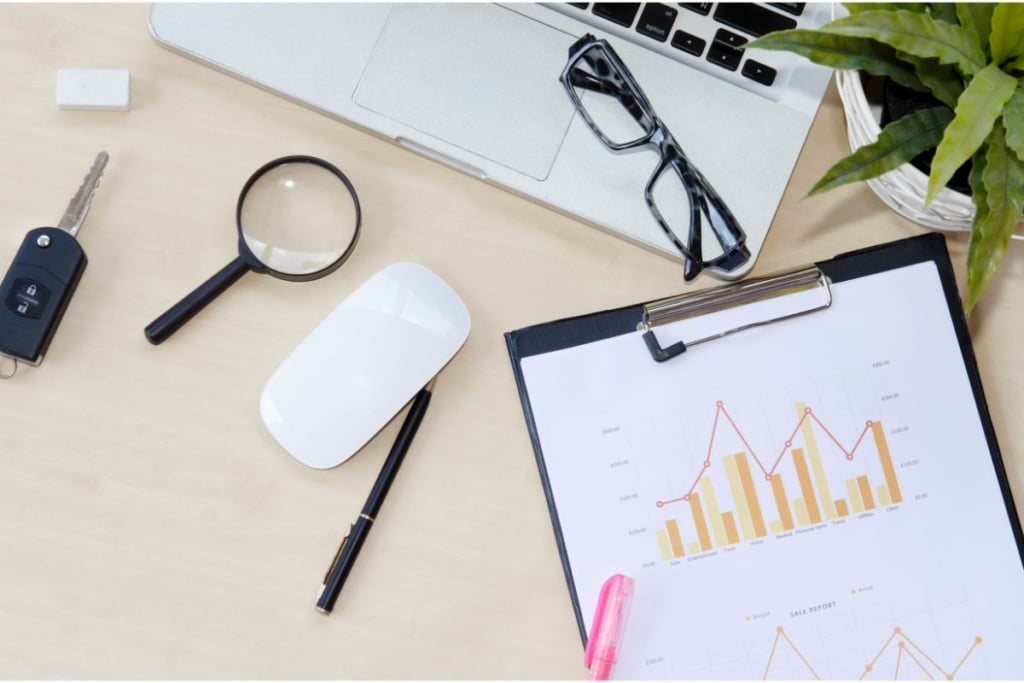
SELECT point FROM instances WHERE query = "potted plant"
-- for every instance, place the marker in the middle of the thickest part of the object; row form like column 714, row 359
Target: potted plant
column 968, row 57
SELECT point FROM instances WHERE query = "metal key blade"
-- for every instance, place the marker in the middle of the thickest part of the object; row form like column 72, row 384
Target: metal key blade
column 78, row 207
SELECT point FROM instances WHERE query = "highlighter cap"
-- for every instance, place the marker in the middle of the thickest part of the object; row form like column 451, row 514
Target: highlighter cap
column 609, row 622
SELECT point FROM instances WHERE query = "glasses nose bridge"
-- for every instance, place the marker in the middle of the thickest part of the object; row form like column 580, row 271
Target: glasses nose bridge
column 672, row 154
column 662, row 138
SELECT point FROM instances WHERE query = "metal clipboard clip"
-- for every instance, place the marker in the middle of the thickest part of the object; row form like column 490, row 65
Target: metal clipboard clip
column 763, row 301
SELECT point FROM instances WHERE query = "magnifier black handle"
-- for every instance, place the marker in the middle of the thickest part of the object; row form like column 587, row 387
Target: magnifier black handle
column 183, row 311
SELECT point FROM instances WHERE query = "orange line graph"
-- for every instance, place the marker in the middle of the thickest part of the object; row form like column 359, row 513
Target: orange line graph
column 808, row 413
column 780, row 633
column 906, row 648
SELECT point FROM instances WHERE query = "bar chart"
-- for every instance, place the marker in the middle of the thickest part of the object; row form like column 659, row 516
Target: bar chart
column 814, row 478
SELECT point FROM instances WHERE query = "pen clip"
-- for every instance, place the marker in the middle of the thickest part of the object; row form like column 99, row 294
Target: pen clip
column 337, row 556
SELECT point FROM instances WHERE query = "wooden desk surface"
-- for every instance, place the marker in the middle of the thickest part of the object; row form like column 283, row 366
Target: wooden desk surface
column 150, row 525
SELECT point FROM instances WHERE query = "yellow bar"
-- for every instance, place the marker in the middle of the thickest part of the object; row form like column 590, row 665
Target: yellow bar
column 775, row 526
column 714, row 514
column 801, row 513
column 703, row 537
column 896, row 496
column 729, row 522
column 675, row 540
column 693, row 547
column 736, row 488
column 853, row 493
column 750, row 493
column 817, row 468
column 663, row 544
column 841, row 508
column 781, row 502
column 882, row 493
column 811, row 505
column 865, row 492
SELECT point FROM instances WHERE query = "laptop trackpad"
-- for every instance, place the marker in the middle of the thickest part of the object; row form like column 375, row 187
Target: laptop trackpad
column 463, row 73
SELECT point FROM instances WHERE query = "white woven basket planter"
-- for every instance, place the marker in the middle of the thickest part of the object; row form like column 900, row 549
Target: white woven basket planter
column 904, row 188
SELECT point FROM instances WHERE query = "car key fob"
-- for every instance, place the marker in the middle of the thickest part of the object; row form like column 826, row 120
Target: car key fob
column 39, row 284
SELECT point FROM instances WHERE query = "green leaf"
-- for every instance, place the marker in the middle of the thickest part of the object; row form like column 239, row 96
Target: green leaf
column 1007, row 29
column 898, row 143
column 976, row 18
column 1016, row 65
column 858, row 7
column 1013, row 120
column 941, row 80
column 944, row 11
column 976, row 111
column 977, row 185
column 978, row 227
column 842, row 52
column 917, row 34
column 1017, row 51
column 1002, row 180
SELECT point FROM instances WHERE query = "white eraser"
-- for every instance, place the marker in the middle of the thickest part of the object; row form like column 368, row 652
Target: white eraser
column 96, row 89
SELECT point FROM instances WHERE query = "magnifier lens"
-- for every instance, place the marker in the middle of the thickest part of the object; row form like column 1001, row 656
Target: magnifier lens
column 298, row 218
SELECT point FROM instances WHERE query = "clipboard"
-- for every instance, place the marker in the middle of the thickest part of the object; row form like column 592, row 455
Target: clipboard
column 665, row 457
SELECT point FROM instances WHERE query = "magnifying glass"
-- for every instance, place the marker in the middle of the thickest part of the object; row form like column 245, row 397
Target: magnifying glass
column 298, row 219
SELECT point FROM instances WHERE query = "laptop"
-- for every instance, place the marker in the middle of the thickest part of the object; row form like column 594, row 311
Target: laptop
column 476, row 87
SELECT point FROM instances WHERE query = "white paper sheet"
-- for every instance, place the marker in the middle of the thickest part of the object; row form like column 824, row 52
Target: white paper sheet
column 873, row 398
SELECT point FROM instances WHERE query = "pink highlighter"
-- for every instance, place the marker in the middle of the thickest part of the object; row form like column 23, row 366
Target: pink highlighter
column 608, row 626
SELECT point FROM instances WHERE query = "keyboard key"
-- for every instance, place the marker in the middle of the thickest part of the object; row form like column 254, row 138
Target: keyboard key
column 752, row 19
column 724, row 56
column 694, row 41
column 701, row 8
column 656, row 21
column 756, row 71
column 687, row 42
column 622, row 13
column 794, row 8
column 729, row 38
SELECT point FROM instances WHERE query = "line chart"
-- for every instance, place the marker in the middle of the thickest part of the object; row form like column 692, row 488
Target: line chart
column 907, row 652
column 754, row 514
column 807, row 413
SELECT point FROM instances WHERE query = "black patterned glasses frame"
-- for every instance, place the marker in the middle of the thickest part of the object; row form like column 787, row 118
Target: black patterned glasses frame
column 625, row 120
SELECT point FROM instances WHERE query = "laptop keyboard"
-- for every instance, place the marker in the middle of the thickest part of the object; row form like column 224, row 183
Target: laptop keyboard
column 706, row 35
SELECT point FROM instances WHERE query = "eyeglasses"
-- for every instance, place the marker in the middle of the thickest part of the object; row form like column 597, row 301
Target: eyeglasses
column 625, row 120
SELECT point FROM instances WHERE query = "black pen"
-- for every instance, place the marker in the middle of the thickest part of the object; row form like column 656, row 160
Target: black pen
column 353, row 541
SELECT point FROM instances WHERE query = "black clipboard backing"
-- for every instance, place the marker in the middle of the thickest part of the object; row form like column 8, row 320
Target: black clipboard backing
column 671, row 553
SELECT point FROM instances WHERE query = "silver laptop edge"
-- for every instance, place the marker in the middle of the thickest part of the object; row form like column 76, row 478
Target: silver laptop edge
column 259, row 45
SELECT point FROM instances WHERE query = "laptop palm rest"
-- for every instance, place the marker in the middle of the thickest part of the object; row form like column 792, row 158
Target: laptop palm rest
column 518, row 113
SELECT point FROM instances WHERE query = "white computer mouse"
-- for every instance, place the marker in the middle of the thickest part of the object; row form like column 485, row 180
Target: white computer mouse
column 363, row 363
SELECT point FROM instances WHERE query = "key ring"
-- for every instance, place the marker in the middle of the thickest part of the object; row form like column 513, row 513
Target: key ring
column 14, row 367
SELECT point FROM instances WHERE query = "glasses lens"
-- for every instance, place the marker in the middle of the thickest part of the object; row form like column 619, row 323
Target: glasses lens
column 298, row 218
column 607, row 96
column 681, row 197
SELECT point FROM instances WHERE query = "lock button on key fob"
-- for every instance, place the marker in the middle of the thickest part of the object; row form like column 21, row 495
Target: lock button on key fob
column 36, row 291
column 28, row 298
